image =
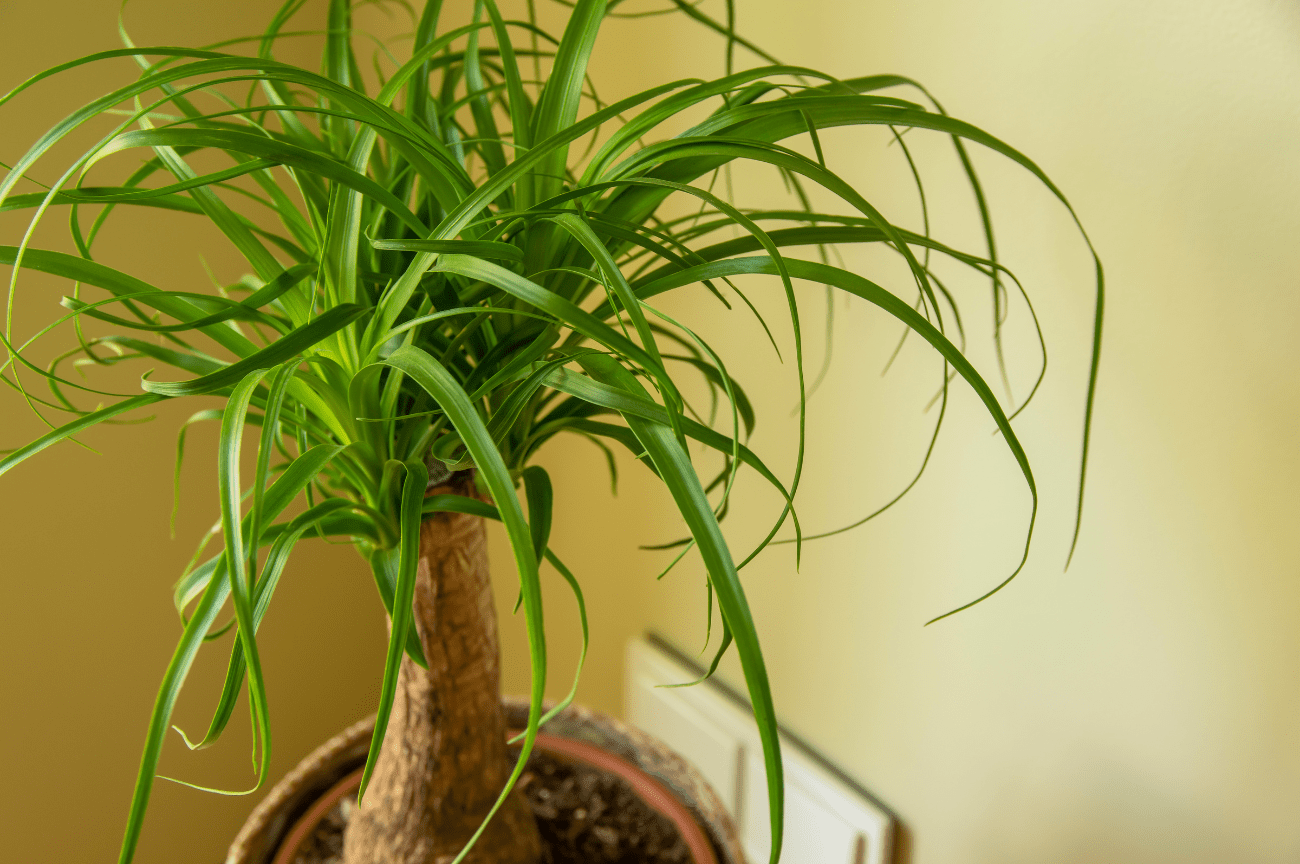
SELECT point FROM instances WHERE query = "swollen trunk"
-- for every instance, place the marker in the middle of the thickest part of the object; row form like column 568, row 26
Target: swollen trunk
column 444, row 759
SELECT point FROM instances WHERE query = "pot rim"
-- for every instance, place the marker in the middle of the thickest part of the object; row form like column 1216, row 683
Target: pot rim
column 653, row 793
column 272, row 821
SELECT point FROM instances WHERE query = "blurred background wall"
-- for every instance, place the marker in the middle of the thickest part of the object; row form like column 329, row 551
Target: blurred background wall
column 1141, row 707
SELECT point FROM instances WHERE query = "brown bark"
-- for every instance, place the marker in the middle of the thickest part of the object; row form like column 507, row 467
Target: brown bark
column 444, row 759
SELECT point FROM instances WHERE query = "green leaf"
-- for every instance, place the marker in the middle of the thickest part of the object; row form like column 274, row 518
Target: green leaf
column 120, row 284
column 285, row 348
column 228, row 492
column 214, row 596
column 272, row 152
column 474, row 248
column 873, row 293
column 535, row 295
column 417, row 477
column 385, row 566
column 276, row 560
column 557, row 108
column 596, row 249
column 82, row 423
column 679, row 476
column 537, row 488
column 292, row 481
column 270, row 433
column 629, row 403
column 246, row 309
column 463, row 213
column 520, row 110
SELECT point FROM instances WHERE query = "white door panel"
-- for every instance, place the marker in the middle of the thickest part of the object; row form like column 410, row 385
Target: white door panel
column 828, row 819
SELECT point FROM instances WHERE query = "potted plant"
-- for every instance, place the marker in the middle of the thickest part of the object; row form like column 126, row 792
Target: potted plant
column 446, row 269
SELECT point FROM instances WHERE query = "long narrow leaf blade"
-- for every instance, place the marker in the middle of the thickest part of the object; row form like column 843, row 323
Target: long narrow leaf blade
column 417, row 477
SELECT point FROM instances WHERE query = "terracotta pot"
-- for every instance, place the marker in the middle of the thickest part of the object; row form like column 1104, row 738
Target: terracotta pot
column 661, row 778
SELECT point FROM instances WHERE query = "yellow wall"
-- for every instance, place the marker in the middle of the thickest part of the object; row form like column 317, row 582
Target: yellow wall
column 1140, row 708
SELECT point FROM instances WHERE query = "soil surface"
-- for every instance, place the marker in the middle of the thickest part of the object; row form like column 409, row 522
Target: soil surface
column 585, row 816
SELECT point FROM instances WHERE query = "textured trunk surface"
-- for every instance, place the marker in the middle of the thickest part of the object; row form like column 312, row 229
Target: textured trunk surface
column 444, row 759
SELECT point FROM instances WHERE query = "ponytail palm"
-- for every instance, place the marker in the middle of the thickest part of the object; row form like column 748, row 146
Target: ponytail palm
column 444, row 273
